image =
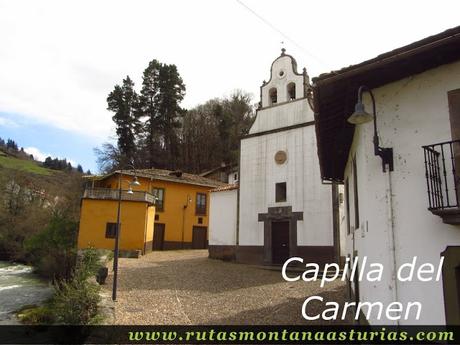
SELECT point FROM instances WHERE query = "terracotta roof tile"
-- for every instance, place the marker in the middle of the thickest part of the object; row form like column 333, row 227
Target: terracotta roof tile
column 174, row 176
column 225, row 188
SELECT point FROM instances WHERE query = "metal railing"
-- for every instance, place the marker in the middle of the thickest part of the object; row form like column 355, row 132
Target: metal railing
column 442, row 178
column 113, row 194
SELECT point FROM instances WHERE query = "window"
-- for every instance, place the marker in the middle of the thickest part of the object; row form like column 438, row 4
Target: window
column 280, row 192
column 291, row 91
column 159, row 194
column 273, row 95
column 355, row 193
column 200, row 203
column 157, row 217
column 200, row 220
column 111, row 230
column 347, row 204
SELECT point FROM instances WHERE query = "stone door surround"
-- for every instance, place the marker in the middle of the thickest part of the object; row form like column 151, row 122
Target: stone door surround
column 274, row 214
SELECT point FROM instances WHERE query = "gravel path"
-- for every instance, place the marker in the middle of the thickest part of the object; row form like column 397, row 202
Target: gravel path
column 185, row 287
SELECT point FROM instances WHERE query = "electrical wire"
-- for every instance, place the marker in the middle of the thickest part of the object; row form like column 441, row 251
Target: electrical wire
column 273, row 27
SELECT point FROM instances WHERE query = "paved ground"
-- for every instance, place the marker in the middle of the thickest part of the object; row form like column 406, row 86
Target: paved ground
column 185, row 287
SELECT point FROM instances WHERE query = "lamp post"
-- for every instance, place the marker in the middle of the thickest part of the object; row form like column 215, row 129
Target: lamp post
column 135, row 182
column 360, row 116
column 189, row 201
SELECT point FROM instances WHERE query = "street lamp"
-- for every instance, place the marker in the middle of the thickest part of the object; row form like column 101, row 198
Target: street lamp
column 134, row 182
column 360, row 116
column 189, row 201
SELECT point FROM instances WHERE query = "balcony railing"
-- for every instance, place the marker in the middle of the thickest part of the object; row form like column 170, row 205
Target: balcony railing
column 113, row 194
column 442, row 178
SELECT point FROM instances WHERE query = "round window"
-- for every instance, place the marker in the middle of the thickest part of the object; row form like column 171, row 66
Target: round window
column 281, row 74
column 280, row 157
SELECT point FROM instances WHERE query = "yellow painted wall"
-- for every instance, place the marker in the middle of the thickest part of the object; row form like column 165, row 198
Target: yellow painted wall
column 176, row 195
column 150, row 220
column 135, row 217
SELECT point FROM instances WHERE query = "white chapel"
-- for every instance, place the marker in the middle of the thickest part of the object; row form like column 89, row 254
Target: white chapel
column 281, row 207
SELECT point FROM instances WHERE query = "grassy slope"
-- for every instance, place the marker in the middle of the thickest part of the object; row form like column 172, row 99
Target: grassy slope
column 26, row 166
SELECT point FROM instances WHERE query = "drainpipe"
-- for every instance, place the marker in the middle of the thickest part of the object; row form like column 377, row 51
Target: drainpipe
column 391, row 235
column 237, row 230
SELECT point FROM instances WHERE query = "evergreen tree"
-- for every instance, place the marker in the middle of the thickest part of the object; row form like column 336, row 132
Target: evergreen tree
column 170, row 137
column 172, row 92
column 11, row 144
column 48, row 163
column 162, row 91
column 123, row 101
column 80, row 169
column 148, row 109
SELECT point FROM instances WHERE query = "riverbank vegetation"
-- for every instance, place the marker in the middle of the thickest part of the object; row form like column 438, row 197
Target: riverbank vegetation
column 38, row 226
column 76, row 299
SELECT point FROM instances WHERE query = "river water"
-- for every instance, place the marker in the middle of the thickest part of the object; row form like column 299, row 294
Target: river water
column 19, row 287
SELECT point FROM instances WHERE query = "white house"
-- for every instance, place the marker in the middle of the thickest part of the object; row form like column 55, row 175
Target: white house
column 223, row 222
column 224, row 173
column 401, row 191
column 284, row 210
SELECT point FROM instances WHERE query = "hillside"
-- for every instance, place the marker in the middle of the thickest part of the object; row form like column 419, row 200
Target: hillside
column 29, row 196
column 28, row 172
column 27, row 166
column 30, row 175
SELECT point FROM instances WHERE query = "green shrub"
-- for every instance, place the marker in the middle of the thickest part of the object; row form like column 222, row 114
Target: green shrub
column 34, row 315
column 76, row 301
column 53, row 250
column 89, row 264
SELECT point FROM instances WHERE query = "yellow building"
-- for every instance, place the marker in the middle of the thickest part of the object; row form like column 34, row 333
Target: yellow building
column 168, row 210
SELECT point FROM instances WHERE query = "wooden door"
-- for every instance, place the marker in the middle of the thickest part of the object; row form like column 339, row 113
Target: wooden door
column 199, row 237
column 158, row 236
column 280, row 242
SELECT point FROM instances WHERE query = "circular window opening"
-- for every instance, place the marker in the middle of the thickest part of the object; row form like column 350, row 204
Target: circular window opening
column 281, row 74
column 280, row 157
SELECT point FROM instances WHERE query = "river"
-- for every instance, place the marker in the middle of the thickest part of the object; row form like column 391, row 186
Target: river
column 19, row 287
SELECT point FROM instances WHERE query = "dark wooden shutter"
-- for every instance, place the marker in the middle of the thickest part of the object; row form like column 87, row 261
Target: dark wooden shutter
column 454, row 112
column 454, row 115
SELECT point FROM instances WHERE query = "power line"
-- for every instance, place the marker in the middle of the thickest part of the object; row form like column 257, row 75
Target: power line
column 273, row 27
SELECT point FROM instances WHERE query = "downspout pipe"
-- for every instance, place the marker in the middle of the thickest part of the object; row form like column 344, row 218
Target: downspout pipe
column 392, row 239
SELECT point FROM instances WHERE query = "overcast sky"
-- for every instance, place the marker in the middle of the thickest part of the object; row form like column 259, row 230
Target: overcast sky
column 60, row 59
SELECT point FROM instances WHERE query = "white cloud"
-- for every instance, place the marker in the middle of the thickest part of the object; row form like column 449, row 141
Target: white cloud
column 8, row 123
column 40, row 156
column 60, row 59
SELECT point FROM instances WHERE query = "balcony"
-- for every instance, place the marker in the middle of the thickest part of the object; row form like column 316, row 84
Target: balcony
column 443, row 180
column 113, row 194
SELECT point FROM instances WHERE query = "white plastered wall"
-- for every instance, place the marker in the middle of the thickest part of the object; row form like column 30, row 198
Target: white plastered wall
column 222, row 218
column 411, row 113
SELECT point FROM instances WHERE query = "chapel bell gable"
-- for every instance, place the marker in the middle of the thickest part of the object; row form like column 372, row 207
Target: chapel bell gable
column 285, row 84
